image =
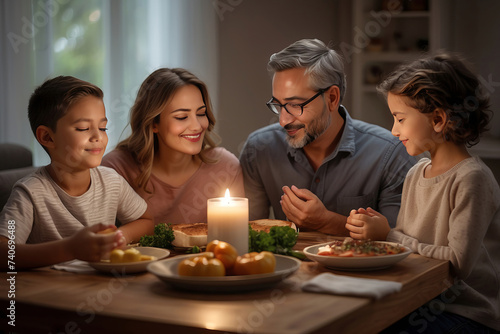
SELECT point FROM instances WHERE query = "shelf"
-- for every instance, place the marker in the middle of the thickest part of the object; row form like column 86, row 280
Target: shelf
column 382, row 36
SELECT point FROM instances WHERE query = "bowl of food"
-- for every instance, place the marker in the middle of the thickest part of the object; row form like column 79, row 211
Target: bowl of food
column 349, row 254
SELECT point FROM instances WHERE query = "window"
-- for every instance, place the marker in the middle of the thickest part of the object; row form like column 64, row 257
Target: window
column 113, row 44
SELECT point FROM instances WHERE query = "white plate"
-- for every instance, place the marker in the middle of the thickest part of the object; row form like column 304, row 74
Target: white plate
column 355, row 263
column 132, row 267
column 166, row 270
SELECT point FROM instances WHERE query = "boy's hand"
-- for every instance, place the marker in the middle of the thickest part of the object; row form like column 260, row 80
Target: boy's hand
column 367, row 224
column 88, row 245
column 120, row 239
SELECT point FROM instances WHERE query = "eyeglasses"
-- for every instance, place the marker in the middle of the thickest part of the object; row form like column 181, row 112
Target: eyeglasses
column 294, row 109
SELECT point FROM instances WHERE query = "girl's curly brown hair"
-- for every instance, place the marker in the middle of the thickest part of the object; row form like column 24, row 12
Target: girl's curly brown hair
column 444, row 82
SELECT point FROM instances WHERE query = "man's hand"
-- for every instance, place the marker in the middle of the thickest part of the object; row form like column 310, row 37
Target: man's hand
column 306, row 210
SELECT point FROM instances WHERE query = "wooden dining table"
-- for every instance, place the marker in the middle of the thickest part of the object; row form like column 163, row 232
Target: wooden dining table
column 55, row 301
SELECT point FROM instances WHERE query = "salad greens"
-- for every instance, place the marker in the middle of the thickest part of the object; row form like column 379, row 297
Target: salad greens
column 279, row 240
column 162, row 237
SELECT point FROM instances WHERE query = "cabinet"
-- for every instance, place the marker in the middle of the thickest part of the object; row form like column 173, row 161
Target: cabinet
column 387, row 33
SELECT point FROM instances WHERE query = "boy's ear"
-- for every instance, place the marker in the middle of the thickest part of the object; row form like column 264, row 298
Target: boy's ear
column 439, row 120
column 44, row 135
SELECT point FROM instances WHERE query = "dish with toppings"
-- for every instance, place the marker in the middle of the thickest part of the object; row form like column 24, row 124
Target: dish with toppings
column 356, row 248
column 354, row 261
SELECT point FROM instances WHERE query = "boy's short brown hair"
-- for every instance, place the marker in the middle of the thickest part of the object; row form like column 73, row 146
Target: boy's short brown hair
column 445, row 82
column 51, row 100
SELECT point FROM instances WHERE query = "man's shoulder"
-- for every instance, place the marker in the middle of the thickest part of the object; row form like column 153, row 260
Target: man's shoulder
column 269, row 140
column 373, row 132
column 268, row 131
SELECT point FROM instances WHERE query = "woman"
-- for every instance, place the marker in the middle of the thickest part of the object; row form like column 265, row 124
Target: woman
column 171, row 159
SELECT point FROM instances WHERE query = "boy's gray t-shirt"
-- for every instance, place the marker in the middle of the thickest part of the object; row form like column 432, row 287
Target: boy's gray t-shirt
column 38, row 210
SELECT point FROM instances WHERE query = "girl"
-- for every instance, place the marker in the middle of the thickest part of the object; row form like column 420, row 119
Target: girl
column 170, row 158
column 450, row 208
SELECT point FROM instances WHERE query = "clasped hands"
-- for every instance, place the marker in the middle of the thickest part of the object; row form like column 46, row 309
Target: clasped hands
column 367, row 224
column 305, row 209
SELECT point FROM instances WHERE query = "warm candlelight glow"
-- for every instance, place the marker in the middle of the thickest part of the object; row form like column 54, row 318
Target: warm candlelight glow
column 227, row 219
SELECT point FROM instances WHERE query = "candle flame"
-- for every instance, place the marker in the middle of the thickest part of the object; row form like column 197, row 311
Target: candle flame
column 227, row 194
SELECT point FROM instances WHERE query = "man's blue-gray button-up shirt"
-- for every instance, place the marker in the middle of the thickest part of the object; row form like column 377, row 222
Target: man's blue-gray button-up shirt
column 367, row 169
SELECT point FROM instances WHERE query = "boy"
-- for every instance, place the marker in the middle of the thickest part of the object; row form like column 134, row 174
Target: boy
column 55, row 214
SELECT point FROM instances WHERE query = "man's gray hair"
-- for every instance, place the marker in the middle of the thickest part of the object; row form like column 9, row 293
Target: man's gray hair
column 323, row 64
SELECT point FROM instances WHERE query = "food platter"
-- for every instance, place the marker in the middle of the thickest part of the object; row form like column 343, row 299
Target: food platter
column 166, row 270
column 181, row 244
column 132, row 267
column 355, row 263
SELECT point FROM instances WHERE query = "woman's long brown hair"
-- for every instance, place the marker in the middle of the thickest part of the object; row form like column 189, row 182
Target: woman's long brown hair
column 153, row 96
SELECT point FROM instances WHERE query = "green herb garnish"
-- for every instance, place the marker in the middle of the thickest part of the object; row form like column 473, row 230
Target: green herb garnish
column 162, row 237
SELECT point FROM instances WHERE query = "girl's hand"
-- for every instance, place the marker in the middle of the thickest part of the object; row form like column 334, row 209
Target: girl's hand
column 367, row 224
column 88, row 245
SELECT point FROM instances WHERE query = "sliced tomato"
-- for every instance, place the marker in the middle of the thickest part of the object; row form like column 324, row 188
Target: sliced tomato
column 327, row 253
column 346, row 254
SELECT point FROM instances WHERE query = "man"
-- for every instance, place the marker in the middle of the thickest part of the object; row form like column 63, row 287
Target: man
column 318, row 164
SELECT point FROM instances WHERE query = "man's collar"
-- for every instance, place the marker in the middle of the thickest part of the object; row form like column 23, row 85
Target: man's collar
column 348, row 140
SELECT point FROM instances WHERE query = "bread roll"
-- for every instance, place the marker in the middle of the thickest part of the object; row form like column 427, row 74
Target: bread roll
column 189, row 235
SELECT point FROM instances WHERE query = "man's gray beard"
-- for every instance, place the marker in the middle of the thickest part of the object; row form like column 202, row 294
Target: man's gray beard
column 295, row 143
column 318, row 127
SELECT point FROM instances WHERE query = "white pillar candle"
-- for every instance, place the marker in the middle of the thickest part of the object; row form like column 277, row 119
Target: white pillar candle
column 228, row 221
